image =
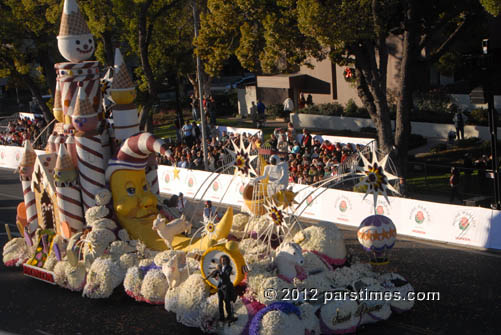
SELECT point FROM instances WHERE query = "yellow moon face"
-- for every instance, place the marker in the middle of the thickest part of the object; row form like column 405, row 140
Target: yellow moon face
column 135, row 206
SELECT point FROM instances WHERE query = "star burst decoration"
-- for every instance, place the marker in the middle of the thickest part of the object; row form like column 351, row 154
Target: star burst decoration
column 210, row 228
column 375, row 177
column 242, row 159
column 277, row 225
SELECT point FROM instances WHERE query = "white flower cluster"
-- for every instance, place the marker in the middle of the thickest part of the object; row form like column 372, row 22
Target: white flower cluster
column 252, row 250
column 324, row 238
column 70, row 277
column 279, row 323
column 239, row 222
column 189, row 301
column 152, row 285
column 15, row 252
column 104, row 275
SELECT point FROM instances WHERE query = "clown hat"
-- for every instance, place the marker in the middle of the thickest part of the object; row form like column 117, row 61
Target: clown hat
column 121, row 77
column 63, row 162
column 72, row 20
column 83, row 107
column 29, row 155
column 135, row 152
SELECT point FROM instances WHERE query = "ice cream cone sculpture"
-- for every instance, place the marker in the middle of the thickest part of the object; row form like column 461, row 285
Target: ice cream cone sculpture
column 25, row 173
column 51, row 143
column 58, row 104
column 123, row 93
column 84, row 117
column 69, row 201
column 71, row 77
column 71, row 147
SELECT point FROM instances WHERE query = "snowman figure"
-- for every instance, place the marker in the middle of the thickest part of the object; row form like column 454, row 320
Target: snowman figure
column 74, row 41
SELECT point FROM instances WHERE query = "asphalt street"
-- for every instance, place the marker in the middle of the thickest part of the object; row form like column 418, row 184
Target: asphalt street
column 468, row 282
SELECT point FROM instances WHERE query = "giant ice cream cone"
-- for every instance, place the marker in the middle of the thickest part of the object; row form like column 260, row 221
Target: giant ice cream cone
column 122, row 88
column 123, row 93
column 84, row 117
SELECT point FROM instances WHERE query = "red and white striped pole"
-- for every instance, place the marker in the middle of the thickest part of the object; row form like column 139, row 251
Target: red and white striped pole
column 91, row 166
column 26, row 167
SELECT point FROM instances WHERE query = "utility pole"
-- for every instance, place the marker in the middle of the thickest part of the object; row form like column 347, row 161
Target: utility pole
column 200, row 93
column 486, row 65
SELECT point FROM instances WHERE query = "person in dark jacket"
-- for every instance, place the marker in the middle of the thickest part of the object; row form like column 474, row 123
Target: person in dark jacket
column 225, row 289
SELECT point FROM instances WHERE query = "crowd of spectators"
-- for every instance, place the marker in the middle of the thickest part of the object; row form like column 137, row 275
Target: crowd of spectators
column 187, row 148
column 309, row 159
column 21, row 129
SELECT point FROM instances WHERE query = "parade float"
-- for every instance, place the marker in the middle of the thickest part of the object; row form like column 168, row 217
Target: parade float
column 92, row 220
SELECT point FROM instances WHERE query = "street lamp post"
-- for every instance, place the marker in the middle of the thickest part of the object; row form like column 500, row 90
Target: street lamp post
column 200, row 94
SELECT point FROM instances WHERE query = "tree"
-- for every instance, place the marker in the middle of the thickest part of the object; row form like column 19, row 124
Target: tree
column 156, row 31
column 28, row 45
column 493, row 7
column 276, row 36
column 104, row 26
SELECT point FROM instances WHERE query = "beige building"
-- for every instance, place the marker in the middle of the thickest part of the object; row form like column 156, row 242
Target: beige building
column 325, row 82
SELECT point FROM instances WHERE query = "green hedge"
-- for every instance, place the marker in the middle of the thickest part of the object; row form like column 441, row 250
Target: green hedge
column 422, row 113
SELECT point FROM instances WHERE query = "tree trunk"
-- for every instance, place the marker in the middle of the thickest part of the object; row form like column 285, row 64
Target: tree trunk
column 48, row 69
column 405, row 102
column 179, row 109
column 109, row 49
column 372, row 91
column 35, row 92
column 146, row 122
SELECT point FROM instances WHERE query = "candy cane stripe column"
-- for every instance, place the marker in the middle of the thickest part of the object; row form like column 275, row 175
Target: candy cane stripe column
column 152, row 174
column 91, row 166
column 68, row 194
column 26, row 167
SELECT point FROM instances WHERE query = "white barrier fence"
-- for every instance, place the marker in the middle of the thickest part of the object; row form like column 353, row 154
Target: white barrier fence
column 468, row 226
column 338, row 139
column 234, row 130
column 11, row 156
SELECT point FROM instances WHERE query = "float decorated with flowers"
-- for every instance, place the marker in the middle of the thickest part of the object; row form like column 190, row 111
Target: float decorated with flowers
column 93, row 221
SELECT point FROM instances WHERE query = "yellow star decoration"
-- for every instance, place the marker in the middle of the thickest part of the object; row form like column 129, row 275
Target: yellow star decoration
column 176, row 173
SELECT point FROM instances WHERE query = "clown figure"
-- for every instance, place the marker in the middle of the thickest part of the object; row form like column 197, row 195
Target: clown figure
column 74, row 41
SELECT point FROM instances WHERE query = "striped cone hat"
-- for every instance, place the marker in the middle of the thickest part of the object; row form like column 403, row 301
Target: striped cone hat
column 134, row 153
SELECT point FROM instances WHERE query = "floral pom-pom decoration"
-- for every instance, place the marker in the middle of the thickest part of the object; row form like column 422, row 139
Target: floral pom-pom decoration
column 281, row 306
